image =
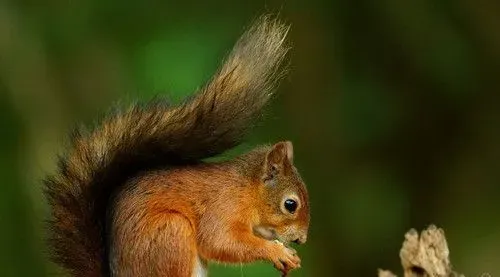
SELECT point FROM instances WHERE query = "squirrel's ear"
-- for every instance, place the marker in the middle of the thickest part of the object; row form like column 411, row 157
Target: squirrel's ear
column 276, row 158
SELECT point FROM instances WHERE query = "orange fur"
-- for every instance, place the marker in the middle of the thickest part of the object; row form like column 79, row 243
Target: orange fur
column 208, row 212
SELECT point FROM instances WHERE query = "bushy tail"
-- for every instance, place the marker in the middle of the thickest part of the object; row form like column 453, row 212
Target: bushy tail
column 141, row 138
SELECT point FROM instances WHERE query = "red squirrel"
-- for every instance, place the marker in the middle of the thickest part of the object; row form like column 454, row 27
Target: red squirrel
column 134, row 196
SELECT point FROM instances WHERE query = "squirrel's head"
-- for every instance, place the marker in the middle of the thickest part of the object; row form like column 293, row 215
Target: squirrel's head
column 284, row 215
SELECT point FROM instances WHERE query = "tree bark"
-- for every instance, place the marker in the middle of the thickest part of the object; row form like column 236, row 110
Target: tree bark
column 424, row 255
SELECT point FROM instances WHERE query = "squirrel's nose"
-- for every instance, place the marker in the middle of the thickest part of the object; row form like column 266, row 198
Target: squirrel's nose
column 301, row 240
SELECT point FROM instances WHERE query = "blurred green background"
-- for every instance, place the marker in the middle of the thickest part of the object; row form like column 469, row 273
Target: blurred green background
column 393, row 108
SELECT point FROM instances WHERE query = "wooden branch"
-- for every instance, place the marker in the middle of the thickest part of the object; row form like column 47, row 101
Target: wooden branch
column 424, row 255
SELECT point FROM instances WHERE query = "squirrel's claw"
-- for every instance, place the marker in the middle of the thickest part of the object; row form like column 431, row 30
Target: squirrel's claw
column 286, row 259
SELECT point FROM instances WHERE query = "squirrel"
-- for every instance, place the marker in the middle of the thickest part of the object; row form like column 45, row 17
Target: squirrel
column 134, row 196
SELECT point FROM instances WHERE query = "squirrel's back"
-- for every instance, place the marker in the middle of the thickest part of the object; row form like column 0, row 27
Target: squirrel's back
column 100, row 161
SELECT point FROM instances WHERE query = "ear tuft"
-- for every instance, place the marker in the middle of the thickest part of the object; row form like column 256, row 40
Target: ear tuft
column 289, row 150
column 280, row 152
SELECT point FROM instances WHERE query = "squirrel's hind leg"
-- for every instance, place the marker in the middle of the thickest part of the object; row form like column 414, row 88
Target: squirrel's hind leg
column 159, row 246
column 175, row 248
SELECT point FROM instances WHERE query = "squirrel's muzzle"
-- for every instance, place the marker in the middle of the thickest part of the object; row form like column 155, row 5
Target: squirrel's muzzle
column 301, row 240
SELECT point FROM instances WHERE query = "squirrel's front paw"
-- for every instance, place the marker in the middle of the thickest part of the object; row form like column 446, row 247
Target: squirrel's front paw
column 284, row 258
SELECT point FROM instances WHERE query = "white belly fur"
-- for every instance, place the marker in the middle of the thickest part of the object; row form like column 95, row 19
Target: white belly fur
column 200, row 268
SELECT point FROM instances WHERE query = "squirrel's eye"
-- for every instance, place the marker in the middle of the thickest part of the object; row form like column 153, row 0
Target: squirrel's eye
column 290, row 205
